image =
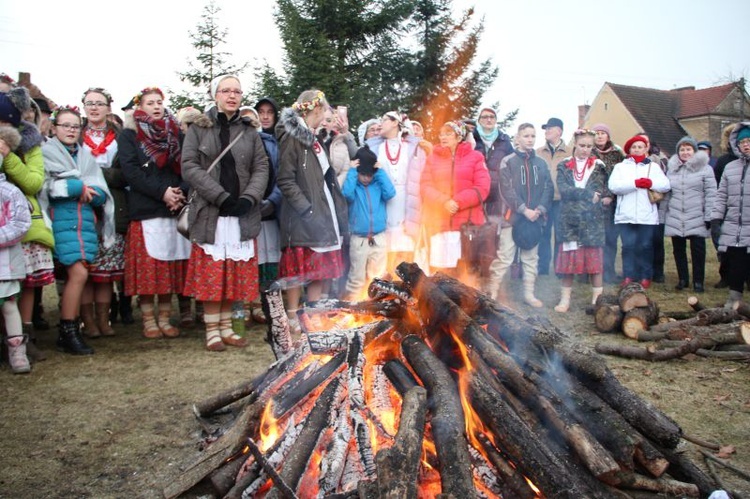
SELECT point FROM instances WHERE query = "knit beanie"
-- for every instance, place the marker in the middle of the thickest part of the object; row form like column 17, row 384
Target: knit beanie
column 743, row 133
column 601, row 127
column 367, row 160
column 13, row 104
column 687, row 140
column 214, row 86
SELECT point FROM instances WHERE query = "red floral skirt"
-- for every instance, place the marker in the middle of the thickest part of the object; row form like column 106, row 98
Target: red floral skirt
column 145, row 275
column 584, row 260
column 219, row 280
column 298, row 261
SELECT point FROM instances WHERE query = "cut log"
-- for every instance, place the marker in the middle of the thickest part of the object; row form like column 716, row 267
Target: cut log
column 304, row 383
column 279, row 334
column 296, row 461
column 399, row 376
column 513, row 482
column 398, row 466
column 723, row 355
column 448, row 423
column 631, row 296
column 630, row 480
column 743, row 309
column 608, row 318
column 695, row 303
column 651, row 353
column 705, row 317
column 639, row 319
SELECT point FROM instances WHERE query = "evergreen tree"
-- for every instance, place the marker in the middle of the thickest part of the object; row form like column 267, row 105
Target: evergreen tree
column 209, row 62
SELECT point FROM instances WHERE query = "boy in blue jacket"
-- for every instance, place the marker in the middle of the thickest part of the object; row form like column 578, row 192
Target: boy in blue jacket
column 367, row 189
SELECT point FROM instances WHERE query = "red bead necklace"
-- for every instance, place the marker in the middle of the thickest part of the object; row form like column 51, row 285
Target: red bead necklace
column 392, row 160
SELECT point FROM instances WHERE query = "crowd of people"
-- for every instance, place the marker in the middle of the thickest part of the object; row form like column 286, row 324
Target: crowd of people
column 92, row 203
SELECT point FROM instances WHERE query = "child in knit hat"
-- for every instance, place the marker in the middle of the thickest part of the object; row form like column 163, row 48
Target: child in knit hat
column 367, row 189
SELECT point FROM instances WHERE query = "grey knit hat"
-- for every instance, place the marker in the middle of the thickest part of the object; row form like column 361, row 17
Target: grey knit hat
column 687, row 140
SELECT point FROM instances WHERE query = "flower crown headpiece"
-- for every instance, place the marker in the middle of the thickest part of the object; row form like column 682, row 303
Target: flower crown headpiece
column 4, row 78
column 98, row 90
column 584, row 131
column 308, row 105
column 147, row 90
column 458, row 127
column 67, row 108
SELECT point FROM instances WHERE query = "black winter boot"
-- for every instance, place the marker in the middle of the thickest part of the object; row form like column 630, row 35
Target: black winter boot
column 70, row 339
column 126, row 309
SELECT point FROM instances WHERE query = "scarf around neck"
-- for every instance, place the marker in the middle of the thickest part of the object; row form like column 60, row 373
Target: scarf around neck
column 159, row 139
column 488, row 137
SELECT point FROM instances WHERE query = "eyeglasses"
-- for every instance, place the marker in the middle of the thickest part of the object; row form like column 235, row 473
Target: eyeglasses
column 227, row 91
column 68, row 126
column 487, row 117
column 744, row 142
column 89, row 103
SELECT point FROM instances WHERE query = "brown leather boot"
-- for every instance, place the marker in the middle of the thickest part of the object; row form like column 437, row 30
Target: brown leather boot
column 32, row 351
column 90, row 328
column 102, row 319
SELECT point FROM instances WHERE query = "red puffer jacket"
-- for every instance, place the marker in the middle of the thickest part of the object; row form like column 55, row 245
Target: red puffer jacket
column 463, row 178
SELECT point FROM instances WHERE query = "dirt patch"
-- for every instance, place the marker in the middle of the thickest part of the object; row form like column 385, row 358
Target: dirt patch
column 119, row 423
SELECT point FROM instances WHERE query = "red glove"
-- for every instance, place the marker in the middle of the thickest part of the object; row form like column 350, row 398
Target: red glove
column 643, row 183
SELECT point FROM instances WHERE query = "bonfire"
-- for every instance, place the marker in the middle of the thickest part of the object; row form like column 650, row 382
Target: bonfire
column 431, row 389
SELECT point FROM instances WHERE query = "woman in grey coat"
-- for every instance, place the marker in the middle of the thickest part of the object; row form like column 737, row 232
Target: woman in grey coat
column 687, row 209
column 732, row 207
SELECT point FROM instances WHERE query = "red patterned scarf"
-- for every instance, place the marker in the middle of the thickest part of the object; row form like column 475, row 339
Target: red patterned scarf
column 159, row 139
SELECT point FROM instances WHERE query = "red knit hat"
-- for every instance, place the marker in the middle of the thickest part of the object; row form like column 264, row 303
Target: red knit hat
column 632, row 140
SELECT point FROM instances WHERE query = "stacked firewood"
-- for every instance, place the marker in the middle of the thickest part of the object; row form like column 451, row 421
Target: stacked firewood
column 718, row 332
column 553, row 420
column 630, row 311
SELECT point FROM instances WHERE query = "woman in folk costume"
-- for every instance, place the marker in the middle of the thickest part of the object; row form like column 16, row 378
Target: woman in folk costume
column 582, row 182
column 24, row 167
column 99, row 137
column 225, row 214
column 74, row 191
column 314, row 212
column 155, row 253
column 637, row 217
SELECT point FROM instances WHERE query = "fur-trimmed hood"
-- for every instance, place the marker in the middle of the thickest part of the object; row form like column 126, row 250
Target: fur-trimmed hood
column 11, row 136
column 694, row 164
column 291, row 123
column 30, row 137
column 210, row 118
column 733, row 139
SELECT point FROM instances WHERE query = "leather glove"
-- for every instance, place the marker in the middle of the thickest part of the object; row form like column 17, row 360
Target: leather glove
column 266, row 208
column 242, row 207
column 716, row 228
column 226, row 208
column 643, row 183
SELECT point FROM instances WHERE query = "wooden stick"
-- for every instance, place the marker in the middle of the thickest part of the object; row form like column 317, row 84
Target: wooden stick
column 715, row 475
column 285, row 490
column 744, row 474
column 701, row 442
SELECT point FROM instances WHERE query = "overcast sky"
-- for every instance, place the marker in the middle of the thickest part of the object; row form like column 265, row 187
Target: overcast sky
column 552, row 55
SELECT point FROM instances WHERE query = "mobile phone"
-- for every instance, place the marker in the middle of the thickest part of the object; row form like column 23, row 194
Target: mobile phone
column 341, row 110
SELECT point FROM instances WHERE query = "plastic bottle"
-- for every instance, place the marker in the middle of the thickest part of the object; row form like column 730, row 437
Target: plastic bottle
column 238, row 318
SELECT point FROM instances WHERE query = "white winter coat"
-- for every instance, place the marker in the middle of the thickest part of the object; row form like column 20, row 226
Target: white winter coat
column 633, row 206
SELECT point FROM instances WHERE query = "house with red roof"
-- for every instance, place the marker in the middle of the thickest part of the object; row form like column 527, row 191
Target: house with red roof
column 668, row 115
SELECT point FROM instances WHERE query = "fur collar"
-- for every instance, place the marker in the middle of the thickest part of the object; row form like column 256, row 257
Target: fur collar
column 30, row 137
column 694, row 164
column 289, row 123
column 209, row 119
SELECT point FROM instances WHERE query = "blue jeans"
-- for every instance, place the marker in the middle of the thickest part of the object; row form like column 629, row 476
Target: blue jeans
column 545, row 243
column 637, row 251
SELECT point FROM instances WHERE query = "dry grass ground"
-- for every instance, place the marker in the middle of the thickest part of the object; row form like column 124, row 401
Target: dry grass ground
column 119, row 423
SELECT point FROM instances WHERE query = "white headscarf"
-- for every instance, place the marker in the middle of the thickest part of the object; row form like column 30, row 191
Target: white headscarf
column 215, row 84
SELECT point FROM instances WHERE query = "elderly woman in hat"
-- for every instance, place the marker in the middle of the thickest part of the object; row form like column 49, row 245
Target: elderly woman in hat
column 687, row 210
column 636, row 214
column 455, row 182
column 225, row 215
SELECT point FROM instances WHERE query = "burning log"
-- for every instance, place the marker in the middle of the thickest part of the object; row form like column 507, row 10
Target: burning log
column 398, row 466
column 296, row 462
column 447, row 421
column 279, row 334
column 537, row 344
